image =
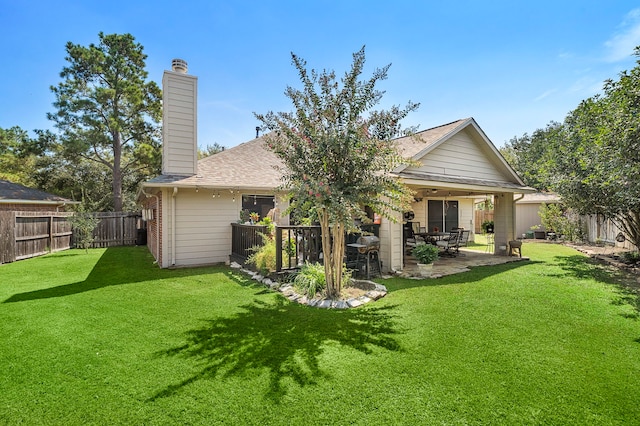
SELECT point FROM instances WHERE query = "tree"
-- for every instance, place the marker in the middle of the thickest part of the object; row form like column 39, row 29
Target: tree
column 592, row 160
column 106, row 110
column 18, row 155
column 83, row 224
column 210, row 150
column 529, row 155
column 339, row 153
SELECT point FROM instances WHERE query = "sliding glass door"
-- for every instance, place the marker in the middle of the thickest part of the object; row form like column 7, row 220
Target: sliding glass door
column 442, row 215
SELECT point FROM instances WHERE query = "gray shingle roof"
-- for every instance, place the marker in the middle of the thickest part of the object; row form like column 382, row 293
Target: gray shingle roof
column 253, row 165
column 248, row 165
column 12, row 192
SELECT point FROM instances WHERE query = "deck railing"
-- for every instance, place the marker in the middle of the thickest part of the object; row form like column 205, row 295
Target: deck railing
column 295, row 245
column 243, row 238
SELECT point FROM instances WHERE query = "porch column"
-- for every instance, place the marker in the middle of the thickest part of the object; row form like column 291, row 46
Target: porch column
column 391, row 244
column 503, row 221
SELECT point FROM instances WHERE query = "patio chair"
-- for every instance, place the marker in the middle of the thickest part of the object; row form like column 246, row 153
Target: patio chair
column 450, row 244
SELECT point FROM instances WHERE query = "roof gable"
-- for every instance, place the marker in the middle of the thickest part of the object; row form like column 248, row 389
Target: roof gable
column 459, row 149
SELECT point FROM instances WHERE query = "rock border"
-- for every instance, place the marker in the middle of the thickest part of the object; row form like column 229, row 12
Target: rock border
column 288, row 291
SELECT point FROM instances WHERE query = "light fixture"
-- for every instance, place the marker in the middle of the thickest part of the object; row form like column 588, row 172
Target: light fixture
column 434, row 190
column 254, row 200
column 196, row 188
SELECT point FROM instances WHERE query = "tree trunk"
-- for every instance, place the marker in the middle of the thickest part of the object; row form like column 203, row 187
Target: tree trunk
column 117, row 173
column 326, row 250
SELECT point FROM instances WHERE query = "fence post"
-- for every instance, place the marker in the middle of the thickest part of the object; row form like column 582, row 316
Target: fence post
column 7, row 237
column 278, row 249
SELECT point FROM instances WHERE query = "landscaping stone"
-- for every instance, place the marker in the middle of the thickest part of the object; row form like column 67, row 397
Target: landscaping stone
column 374, row 290
column 339, row 304
column 375, row 294
column 235, row 265
column 354, row 303
column 324, row 304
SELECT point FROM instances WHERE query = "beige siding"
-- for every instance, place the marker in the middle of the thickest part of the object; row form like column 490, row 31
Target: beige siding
column 527, row 215
column 179, row 120
column 466, row 216
column 461, row 156
column 203, row 227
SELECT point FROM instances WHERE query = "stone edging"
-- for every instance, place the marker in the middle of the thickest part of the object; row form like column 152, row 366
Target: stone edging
column 289, row 292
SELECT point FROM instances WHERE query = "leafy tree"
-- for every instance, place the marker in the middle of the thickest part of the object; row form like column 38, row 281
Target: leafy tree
column 339, row 153
column 529, row 155
column 210, row 150
column 18, row 154
column 107, row 112
column 592, row 160
column 83, row 224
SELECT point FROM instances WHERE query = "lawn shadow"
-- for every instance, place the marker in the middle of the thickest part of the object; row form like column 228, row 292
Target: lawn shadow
column 583, row 267
column 116, row 266
column 476, row 273
column 283, row 339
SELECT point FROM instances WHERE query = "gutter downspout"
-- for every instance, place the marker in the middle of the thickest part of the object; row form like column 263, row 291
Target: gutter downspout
column 173, row 226
column 157, row 224
column 513, row 216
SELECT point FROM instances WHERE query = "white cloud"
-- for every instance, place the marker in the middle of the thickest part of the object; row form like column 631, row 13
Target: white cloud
column 620, row 46
column 545, row 94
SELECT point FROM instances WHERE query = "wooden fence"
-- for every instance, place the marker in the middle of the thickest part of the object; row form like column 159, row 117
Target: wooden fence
column 481, row 216
column 29, row 234
column 116, row 229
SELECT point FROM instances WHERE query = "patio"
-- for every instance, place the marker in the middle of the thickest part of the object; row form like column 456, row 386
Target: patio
column 465, row 260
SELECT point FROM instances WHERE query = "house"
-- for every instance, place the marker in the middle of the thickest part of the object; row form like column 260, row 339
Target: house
column 528, row 212
column 16, row 197
column 190, row 207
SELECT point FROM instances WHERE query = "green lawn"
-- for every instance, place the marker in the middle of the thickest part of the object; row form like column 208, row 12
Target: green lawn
column 108, row 338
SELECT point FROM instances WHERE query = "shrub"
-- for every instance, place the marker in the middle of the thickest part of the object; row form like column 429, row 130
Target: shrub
column 264, row 257
column 487, row 226
column 425, row 253
column 311, row 279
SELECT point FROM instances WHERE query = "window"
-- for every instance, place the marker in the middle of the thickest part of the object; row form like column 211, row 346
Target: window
column 260, row 204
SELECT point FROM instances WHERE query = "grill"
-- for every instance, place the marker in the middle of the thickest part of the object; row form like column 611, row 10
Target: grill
column 371, row 242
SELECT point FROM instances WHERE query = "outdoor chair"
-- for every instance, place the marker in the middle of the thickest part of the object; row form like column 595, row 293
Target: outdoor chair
column 450, row 244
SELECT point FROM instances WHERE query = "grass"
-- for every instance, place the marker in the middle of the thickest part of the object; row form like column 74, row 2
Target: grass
column 108, row 338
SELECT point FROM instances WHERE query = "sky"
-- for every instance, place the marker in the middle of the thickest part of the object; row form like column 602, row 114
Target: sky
column 514, row 66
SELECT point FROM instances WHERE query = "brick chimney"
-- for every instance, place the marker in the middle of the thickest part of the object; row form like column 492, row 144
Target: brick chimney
column 179, row 121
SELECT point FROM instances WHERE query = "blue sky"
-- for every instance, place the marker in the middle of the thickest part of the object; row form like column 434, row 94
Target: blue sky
column 513, row 66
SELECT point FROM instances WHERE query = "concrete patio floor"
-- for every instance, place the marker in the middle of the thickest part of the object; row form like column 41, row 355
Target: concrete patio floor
column 465, row 260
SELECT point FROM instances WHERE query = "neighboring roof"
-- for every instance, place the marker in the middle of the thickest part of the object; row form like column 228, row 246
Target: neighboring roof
column 248, row 165
column 14, row 193
column 539, row 198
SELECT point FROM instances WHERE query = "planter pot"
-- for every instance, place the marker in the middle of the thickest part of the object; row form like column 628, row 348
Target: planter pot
column 425, row 270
